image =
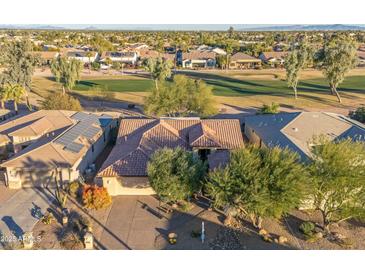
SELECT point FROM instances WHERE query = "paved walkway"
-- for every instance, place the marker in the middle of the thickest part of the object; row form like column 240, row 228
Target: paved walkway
column 17, row 214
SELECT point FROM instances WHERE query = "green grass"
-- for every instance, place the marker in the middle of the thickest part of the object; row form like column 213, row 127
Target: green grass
column 227, row 86
column 115, row 85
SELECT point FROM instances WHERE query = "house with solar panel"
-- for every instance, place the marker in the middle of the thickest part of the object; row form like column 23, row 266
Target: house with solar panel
column 49, row 145
column 297, row 130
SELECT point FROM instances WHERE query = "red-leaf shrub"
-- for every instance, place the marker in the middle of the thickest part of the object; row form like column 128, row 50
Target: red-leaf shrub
column 95, row 197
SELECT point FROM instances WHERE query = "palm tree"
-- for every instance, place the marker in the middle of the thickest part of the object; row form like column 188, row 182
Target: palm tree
column 14, row 92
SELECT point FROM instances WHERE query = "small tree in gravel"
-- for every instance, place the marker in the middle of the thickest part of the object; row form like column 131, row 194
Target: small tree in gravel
column 260, row 182
column 269, row 109
column 338, row 172
column 175, row 174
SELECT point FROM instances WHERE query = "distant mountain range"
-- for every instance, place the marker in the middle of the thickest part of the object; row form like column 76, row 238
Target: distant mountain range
column 182, row 27
column 335, row 27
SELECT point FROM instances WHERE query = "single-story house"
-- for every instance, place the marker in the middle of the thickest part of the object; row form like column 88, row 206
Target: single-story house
column 83, row 56
column 196, row 59
column 216, row 50
column 46, row 56
column 125, row 170
column 126, row 57
column 241, row 60
column 146, row 54
column 297, row 130
column 273, row 58
column 50, row 144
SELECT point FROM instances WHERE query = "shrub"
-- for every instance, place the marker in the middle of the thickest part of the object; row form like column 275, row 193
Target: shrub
column 61, row 101
column 307, row 228
column 95, row 65
column 74, row 189
column 269, row 109
column 358, row 114
column 95, row 197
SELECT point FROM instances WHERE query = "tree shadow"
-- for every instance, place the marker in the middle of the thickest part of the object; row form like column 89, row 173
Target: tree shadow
column 15, row 229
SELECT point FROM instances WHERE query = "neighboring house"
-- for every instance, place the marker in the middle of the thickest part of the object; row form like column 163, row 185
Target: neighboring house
column 241, row 60
column 126, row 57
column 125, row 170
column 361, row 58
column 216, row 50
column 297, row 130
column 49, row 143
column 273, row 58
column 46, row 56
column 196, row 59
column 82, row 56
column 146, row 54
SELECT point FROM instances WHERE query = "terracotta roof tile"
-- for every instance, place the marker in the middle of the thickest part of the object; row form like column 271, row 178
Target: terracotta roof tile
column 138, row 139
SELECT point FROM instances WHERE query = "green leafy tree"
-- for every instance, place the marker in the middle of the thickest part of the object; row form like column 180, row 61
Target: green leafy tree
column 18, row 65
column 358, row 114
column 159, row 69
column 295, row 61
column 260, row 182
column 269, row 109
column 336, row 59
column 181, row 97
column 175, row 174
column 66, row 72
column 338, row 173
column 60, row 101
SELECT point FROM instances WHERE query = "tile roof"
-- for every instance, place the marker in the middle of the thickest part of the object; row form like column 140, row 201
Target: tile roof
column 138, row 139
column 198, row 55
column 274, row 54
column 50, row 126
column 240, row 56
column 296, row 130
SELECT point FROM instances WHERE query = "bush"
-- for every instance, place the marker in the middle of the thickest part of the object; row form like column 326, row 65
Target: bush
column 59, row 101
column 307, row 228
column 358, row 114
column 74, row 189
column 269, row 109
column 95, row 197
column 95, row 66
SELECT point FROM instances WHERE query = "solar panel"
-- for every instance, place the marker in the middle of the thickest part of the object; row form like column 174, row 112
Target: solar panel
column 91, row 132
column 84, row 127
column 74, row 147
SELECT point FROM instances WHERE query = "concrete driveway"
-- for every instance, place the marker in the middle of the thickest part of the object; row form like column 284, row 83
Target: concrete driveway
column 139, row 222
column 133, row 223
column 17, row 212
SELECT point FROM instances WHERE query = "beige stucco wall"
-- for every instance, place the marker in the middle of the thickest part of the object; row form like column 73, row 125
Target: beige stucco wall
column 37, row 178
column 127, row 185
